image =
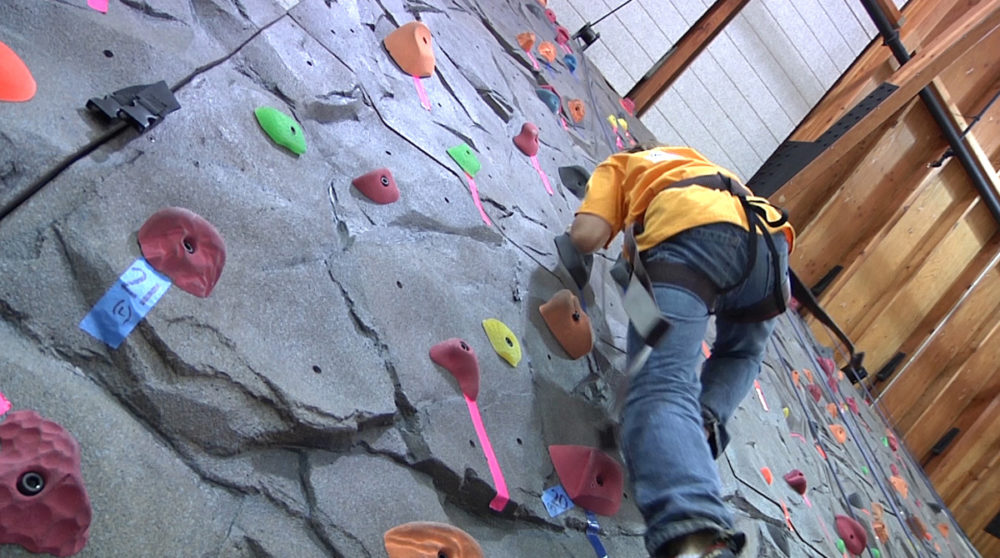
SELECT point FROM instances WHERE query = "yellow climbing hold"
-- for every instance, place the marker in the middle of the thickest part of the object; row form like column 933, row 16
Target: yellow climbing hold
column 503, row 340
column 613, row 121
column 785, row 411
column 623, row 124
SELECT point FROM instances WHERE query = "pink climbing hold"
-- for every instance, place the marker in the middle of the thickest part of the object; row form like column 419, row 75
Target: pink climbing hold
column 562, row 35
column 527, row 140
column 852, row 533
column 827, row 365
column 894, row 469
column 893, row 443
column 4, row 405
column 797, row 480
column 99, row 5
column 629, row 106
column 815, row 392
column 592, row 479
column 853, row 405
column 550, row 15
column 457, row 357
column 378, row 186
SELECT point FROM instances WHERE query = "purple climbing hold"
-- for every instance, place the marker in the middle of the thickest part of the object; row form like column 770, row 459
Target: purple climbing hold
column 797, row 480
column 852, row 533
column 457, row 357
column 378, row 186
column 527, row 140
column 815, row 392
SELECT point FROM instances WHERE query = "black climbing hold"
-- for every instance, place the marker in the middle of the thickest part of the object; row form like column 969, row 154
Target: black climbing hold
column 574, row 178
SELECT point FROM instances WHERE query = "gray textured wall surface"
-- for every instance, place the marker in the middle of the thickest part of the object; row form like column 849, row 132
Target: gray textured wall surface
column 295, row 411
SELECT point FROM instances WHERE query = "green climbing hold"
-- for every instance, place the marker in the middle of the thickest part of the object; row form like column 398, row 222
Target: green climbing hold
column 864, row 469
column 885, row 441
column 841, row 546
column 283, row 129
column 464, row 156
column 876, row 553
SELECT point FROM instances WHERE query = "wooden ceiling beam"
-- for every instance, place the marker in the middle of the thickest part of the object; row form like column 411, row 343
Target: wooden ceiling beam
column 682, row 54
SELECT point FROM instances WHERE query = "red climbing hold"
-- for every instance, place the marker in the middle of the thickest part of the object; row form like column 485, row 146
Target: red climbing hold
column 411, row 47
column 378, row 186
column 16, row 81
column 562, row 35
column 629, row 106
column 592, row 479
column 853, row 534
column 527, row 140
column 550, row 15
column 797, row 480
column 185, row 247
column 457, row 357
column 893, row 442
column 43, row 503
column 568, row 323
column 815, row 392
column 827, row 365
column 853, row 405
column 894, row 469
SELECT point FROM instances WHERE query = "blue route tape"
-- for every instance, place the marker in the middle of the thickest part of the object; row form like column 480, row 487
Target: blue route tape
column 125, row 304
column 556, row 500
column 593, row 528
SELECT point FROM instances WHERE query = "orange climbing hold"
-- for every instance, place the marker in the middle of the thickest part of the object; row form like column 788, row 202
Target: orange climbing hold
column 16, row 82
column 878, row 524
column 944, row 529
column 547, row 50
column 899, row 483
column 832, row 409
column 411, row 47
column 426, row 539
column 568, row 323
column 526, row 40
column 839, row 433
column 768, row 477
column 795, row 378
column 577, row 110
column 809, row 375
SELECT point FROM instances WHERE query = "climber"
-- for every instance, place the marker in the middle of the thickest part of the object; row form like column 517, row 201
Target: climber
column 707, row 246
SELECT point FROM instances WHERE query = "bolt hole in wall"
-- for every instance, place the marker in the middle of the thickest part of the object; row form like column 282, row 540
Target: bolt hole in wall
column 398, row 284
column 317, row 369
column 472, row 444
column 109, row 54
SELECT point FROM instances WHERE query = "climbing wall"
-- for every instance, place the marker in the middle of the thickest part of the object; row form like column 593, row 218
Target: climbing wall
column 298, row 409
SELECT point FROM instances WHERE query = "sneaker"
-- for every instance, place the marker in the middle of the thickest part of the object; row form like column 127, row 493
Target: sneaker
column 728, row 547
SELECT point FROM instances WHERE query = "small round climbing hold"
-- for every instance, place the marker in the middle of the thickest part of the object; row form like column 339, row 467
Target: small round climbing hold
column 815, row 392
column 550, row 15
column 785, row 411
column 894, row 468
column 378, row 186
column 856, row 501
column 577, row 110
column 568, row 323
column 282, row 129
column 628, row 105
column 562, row 35
column 864, row 469
column 185, row 247
column 876, row 553
column 550, row 99
column 839, row 433
column 457, row 357
column 797, row 480
column 841, row 546
column 16, row 82
column 411, row 47
column 547, row 50
column 527, row 140
column 827, row 365
column 766, row 473
column 526, row 40
column 571, row 62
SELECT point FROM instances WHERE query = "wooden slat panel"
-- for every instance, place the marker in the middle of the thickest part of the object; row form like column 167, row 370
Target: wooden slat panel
column 971, row 81
column 800, row 194
column 911, row 302
column 964, row 485
column 915, row 399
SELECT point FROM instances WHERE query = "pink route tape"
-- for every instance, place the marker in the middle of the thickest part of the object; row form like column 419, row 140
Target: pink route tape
column 541, row 173
column 99, row 5
column 479, row 203
column 760, row 395
column 502, row 497
column 422, row 93
column 4, row 405
column 534, row 63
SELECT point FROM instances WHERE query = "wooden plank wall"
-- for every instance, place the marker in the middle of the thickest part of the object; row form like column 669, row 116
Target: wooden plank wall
column 920, row 255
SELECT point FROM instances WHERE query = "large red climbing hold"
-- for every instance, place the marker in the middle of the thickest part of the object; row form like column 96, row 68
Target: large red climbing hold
column 411, row 47
column 378, row 186
column 427, row 539
column 797, row 480
column 527, row 140
column 185, row 247
column 853, row 534
column 592, row 479
column 568, row 323
column 457, row 357
column 16, row 82
column 815, row 392
column 44, row 506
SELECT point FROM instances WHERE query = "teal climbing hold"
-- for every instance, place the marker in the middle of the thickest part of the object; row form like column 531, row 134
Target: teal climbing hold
column 550, row 99
column 570, row 62
column 282, row 129
column 466, row 158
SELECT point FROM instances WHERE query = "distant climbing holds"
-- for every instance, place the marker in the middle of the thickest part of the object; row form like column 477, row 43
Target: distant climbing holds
column 839, row 433
column 592, row 479
column 827, row 365
column 282, row 129
column 550, row 99
column 570, row 62
column 901, row 486
column 797, row 480
column 547, row 50
column 815, row 392
column 577, row 110
column 878, row 523
column 44, row 505
column 841, row 546
column 853, row 405
column 504, row 341
column 378, row 186
column 426, row 539
column 894, row 468
column 16, row 82
column 832, row 409
column 852, row 533
column 568, row 323
column 917, row 527
column 185, row 247
column 466, row 158
column 795, row 378
column 412, row 48
column 785, row 411
column 766, row 473
column 551, row 16
column 628, row 105
column 944, row 529
column 893, row 443
column 457, row 357
column 527, row 140
column 526, row 40
column 575, row 179
column 142, row 106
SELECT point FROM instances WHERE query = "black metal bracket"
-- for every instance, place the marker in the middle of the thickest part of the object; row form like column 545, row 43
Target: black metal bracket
column 142, row 106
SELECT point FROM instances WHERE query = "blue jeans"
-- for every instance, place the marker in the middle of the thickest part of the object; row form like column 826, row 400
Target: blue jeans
column 670, row 462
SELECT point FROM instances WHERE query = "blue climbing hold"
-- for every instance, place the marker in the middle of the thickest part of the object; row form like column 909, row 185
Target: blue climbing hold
column 570, row 62
column 550, row 99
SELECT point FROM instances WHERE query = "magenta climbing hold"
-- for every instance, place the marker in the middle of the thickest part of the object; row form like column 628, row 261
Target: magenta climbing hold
column 99, row 5
column 378, row 186
column 852, row 533
column 797, row 480
column 592, row 479
column 815, row 392
column 562, row 35
column 550, row 15
column 527, row 140
column 457, row 357
column 185, row 247
column 44, row 505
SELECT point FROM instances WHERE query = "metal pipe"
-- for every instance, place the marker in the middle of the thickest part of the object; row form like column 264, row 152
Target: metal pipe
column 890, row 36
